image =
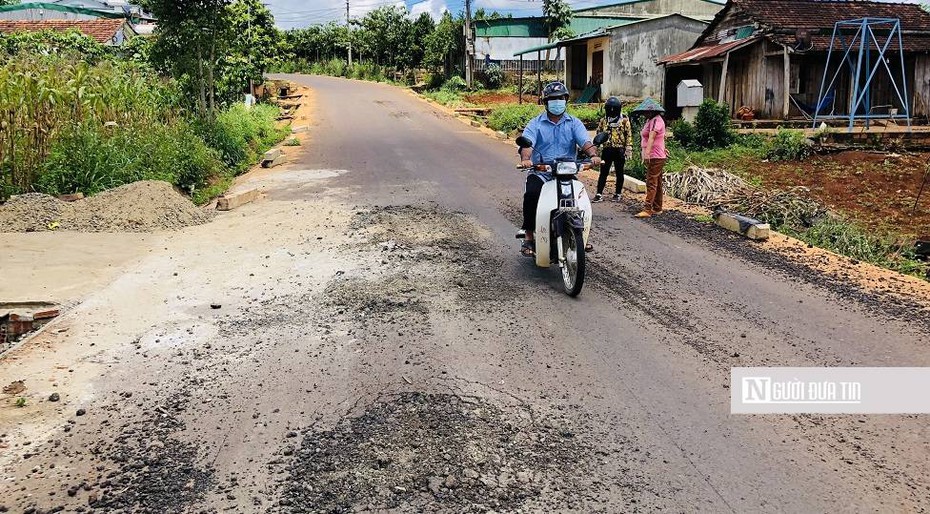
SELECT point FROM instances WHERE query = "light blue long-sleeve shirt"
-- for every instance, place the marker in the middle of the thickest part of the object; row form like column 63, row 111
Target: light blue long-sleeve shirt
column 555, row 140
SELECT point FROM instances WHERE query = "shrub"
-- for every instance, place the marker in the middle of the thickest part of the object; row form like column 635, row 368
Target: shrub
column 90, row 158
column 788, row 145
column 512, row 117
column 712, row 125
column 684, row 133
column 494, row 76
column 366, row 71
column 434, row 81
column 332, row 67
column 587, row 114
column 241, row 134
column 455, row 85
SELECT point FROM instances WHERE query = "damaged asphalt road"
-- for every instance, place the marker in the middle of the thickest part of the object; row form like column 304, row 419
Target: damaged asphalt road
column 379, row 346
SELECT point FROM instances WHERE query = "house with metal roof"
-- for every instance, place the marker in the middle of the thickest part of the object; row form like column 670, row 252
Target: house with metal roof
column 812, row 59
column 640, row 9
column 621, row 60
column 80, row 10
column 499, row 39
column 617, row 45
column 106, row 31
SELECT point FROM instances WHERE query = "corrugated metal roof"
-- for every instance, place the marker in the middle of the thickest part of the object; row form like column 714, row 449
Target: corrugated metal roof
column 101, row 30
column 539, row 48
column 564, row 42
column 628, row 2
column 59, row 8
column 705, row 52
column 536, row 27
column 584, row 24
column 782, row 20
column 511, row 27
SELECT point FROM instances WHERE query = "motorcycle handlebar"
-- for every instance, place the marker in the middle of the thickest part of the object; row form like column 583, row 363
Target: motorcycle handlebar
column 585, row 165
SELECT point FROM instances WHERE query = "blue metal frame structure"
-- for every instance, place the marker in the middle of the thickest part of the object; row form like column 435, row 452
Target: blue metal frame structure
column 862, row 42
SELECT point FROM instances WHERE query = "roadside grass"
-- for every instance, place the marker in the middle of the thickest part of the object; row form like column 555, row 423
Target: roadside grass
column 737, row 158
column 845, row 238
column 703, row 218
column 452, row 99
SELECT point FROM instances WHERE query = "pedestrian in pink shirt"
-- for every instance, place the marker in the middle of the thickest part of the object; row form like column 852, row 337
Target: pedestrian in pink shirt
column 654, row 155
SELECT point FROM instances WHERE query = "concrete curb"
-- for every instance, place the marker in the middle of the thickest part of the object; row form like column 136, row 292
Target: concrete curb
column 231, row 201
column 273, row 157
column 633, row 184
column 751, row 228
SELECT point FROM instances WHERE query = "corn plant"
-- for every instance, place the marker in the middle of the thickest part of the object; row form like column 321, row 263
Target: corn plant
column 42, row 95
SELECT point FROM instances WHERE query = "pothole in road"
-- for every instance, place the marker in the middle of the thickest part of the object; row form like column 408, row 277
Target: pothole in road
column 428, row 452
column 373, row 297
column 420, row 226
column 444, row 250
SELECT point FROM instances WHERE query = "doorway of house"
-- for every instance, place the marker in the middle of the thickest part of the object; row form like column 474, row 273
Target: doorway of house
column 597, row 72
column 579, row 67
column 597, row 66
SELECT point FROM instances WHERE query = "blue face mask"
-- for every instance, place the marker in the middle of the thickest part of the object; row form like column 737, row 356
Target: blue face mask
column 556, row 107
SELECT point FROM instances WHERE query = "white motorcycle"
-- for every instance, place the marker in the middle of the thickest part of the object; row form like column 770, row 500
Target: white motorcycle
column 563, row 218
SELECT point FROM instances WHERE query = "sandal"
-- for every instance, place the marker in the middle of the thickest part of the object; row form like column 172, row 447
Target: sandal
column 528, row 249
column 589, row 247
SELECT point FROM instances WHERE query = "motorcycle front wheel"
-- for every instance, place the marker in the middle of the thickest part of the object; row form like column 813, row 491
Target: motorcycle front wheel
column 573, row 261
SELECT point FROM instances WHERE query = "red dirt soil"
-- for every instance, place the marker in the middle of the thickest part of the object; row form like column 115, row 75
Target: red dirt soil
column 878, row 190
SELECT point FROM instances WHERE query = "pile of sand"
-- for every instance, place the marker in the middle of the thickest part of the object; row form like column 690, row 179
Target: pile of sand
column 145, row 206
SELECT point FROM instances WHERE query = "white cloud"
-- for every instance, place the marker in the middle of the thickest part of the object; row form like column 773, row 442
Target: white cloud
column 300, row 13
column 435, row 8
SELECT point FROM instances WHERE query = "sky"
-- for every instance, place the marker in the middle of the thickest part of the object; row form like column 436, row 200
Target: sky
column 302, row 13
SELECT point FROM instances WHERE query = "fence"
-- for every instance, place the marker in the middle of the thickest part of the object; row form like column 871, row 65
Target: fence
column 529, row 65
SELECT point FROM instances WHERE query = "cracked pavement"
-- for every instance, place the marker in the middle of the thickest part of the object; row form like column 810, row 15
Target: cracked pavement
column 366, row 338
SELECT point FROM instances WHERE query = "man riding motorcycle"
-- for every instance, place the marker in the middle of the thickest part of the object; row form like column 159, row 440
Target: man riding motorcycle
column 553, row 134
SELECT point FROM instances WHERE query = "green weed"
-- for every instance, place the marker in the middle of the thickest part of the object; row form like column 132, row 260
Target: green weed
column 788, row 145
column 512, row 117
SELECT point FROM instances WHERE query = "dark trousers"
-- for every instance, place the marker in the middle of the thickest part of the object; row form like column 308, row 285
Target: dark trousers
column 534, row 186
column 617, row 158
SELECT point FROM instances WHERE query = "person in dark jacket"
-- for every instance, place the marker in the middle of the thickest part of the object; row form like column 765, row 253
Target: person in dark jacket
column 618, row 147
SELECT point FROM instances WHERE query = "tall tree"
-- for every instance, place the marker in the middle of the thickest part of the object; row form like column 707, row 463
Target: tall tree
column 253, row 46
column 558, row 17
column 191, row 35
column 446, row 45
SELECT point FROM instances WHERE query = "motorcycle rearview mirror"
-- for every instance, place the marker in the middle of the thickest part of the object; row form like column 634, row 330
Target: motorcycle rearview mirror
column 600, row 139
column 524, row 142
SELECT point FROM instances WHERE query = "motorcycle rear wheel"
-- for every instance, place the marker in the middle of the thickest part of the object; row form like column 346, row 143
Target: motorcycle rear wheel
column 573, row 261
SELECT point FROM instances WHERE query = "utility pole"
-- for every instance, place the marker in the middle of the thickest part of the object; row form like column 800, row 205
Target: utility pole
column 469, row 47
column 349, row 27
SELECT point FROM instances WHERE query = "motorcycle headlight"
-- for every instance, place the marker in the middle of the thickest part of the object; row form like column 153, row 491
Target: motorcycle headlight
column 567, row 168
